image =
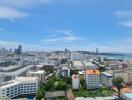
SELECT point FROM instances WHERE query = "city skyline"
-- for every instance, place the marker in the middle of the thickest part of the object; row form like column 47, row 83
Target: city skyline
column 60, row 24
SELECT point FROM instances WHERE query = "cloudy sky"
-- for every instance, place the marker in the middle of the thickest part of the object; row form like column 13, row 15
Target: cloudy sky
column 72, row 24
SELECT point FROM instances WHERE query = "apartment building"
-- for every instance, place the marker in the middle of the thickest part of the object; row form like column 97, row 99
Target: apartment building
column 106, row 79
column 10, row 72
column 40, row 74
column 92, row 78
column 126, row 74
column 19, row 86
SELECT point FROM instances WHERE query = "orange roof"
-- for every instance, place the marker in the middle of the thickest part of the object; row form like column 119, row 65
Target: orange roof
column 97, row 72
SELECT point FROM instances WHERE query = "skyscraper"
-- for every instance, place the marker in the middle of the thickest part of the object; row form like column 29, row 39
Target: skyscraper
column 97, row 51
column 19, row 50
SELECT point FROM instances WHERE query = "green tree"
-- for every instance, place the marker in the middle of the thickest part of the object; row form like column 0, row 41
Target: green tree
column 67, row 80
column 49, row 85
column 40, row 92
column 117, row 82
column 59, row 85
column 83, row 84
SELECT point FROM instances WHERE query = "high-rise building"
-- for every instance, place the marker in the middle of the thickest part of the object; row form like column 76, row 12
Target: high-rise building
column 19, row 50
column 10, row 51
column 97, row 51
column 3, row 52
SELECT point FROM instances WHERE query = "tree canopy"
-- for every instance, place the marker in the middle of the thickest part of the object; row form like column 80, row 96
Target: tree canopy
column 117, row 82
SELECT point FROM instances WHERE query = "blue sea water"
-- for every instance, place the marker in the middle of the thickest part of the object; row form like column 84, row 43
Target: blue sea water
column 123, row 56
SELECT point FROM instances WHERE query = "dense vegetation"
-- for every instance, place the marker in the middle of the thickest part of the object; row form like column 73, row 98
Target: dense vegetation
column 53, row 84
column 83, row 92
column 103, row 91
column 60, row 98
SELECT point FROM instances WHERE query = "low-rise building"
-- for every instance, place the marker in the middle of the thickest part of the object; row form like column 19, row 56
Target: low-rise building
column 40, row 74
column 92, row 78
column 81, row 75
column 106, row 79
column 65, row 71
column 126, row 74
column 19, row 86
column 84, row 65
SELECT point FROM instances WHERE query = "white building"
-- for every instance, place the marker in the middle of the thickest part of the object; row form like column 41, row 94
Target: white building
column 19, row 86
column 65, row 71
column 1, row 78
column 119, row 73
column 76, row 56
column 126, row 74
column 40, row 74
column 92, row 78
column 106, row 79
column 75, row 81
column 10, row 72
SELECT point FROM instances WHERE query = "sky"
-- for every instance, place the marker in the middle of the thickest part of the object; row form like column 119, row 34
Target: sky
column 72, row 24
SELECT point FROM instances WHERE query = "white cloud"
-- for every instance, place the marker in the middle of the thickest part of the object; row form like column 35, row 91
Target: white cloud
column 123, row 14
column 125, row 17
column 24, row 3
column 16, row 9
column 8, row 44
column 62, row 36
column 127, row 23
column 11, row 13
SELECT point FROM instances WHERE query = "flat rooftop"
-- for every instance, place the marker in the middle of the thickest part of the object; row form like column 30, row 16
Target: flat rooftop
column 55, row 94
column 96, row 98
column 84, row 65
column 81, row 72
column 77, row 63
column 107, row 74
column 88, row 64
column 37, row 72
column 40, row 65
column 26, row 79
column 18, row 80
